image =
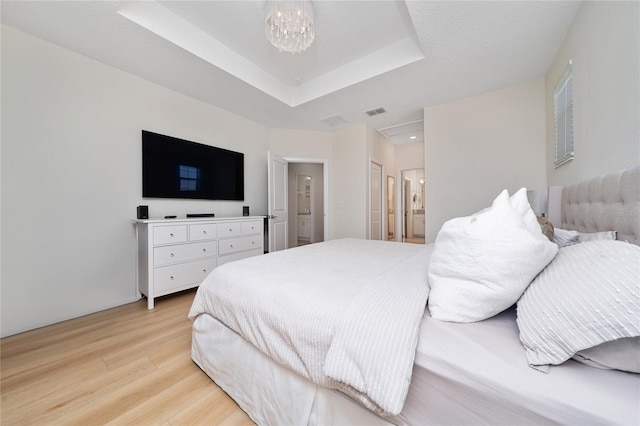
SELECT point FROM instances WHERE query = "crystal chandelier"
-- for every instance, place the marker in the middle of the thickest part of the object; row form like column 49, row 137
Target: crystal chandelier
column 289, row 24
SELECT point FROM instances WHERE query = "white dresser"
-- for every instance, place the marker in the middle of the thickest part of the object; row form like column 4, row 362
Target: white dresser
column 177, row 254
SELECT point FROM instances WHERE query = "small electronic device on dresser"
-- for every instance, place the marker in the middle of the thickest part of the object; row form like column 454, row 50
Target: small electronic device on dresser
column 142, row 212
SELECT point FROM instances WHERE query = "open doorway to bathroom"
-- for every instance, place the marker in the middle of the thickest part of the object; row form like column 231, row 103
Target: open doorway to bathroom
column 306, row 203
column 413, row 220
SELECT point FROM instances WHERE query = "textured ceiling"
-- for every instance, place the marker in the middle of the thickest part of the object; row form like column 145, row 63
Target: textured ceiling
column 401, row 55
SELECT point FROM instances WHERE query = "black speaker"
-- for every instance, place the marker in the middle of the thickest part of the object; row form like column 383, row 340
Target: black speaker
column 143, row 212
column 245, row 210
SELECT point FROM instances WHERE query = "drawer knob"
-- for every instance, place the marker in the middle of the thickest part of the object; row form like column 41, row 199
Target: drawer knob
column 230, row 229
column 204, row 232
column 171, row 277
column 231, row 245
column 204, row 250
column 204, row 270
column 171, row 234
column 171, row 254
column 253, row 242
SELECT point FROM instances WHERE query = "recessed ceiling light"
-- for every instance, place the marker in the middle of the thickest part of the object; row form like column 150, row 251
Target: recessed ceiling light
column 413, row 137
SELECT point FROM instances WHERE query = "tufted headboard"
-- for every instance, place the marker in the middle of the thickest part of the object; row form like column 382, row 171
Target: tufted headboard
column 605, row 203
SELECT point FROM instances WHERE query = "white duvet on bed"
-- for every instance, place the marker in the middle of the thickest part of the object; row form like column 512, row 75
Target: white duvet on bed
column 308, row 320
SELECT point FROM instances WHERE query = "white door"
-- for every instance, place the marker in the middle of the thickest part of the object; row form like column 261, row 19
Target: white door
column 278, row 170
column 376, row 201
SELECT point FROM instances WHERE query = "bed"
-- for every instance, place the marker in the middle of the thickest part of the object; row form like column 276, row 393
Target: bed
column 337, row 332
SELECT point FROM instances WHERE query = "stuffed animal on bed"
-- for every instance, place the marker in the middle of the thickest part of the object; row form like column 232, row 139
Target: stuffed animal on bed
column 546, row 226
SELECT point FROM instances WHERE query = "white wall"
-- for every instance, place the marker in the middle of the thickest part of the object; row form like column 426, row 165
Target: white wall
column 302, row 144
column 604, row 44
column 478, row 146
column 71, row 177
column 348, row 185
column 410, row 155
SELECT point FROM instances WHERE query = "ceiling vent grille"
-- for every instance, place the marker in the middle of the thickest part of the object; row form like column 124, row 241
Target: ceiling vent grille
column 335, row 120
column 375, row 111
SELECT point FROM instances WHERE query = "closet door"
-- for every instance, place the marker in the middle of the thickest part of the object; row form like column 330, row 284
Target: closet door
column 375, row 201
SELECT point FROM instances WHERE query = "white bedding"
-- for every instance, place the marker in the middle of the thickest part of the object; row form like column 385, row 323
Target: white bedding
column 311, row 321
column 464, row 374
column 484, row 367
column 269, row 392
column 474, row 373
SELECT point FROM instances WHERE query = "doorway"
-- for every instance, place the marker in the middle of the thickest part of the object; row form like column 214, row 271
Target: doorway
column 413, row 218
column 307, row 203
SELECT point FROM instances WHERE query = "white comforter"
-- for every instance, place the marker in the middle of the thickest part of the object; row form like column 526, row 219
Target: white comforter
column 344, row 314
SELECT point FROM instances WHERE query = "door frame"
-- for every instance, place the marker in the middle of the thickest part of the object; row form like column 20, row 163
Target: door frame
column 325, row 179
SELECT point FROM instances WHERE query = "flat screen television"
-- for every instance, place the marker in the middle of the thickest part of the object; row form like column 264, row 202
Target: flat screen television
column 177, row 168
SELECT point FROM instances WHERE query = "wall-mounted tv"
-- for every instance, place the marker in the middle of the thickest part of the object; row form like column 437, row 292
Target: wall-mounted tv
column 176, row 168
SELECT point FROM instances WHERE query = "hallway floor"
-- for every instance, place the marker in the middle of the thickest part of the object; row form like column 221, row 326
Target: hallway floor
column 414, row 240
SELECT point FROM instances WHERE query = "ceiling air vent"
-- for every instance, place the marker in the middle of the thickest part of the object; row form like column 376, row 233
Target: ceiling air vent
column 375, row 111
column 335, row 120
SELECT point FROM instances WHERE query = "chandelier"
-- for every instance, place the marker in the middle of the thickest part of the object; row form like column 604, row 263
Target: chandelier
column 289, row 24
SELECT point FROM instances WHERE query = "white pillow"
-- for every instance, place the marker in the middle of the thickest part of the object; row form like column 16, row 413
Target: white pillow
column 591, row 236
column 563, row 237
column 520, row 203
column 481, row 264
column 588, row 295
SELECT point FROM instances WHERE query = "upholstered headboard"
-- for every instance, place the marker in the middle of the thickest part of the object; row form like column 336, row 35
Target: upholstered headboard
column 606, row 203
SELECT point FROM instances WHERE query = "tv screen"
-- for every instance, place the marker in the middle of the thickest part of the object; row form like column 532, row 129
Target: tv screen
column 176, row 168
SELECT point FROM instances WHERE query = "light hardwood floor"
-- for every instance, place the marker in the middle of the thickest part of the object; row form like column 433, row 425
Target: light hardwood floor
column 126, row 365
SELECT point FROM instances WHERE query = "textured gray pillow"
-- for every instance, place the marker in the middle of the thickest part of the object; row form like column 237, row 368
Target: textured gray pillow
column 588, row 295
column 621, row 354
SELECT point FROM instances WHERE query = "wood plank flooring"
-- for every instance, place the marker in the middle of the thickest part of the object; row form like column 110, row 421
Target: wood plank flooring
column 126, row 366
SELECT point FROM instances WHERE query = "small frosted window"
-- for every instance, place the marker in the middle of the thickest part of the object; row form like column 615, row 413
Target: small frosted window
column 563, row 118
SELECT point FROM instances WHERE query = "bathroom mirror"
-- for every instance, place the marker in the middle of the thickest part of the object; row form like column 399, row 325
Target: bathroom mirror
column 391, row 204
column 304, row 194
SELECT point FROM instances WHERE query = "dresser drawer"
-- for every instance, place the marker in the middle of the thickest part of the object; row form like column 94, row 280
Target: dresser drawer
column 251, row 227
column 203, row 231
column 229, row 229
column 232, row 245
column 169, row 234
column 181, row 275
column 184, row 252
